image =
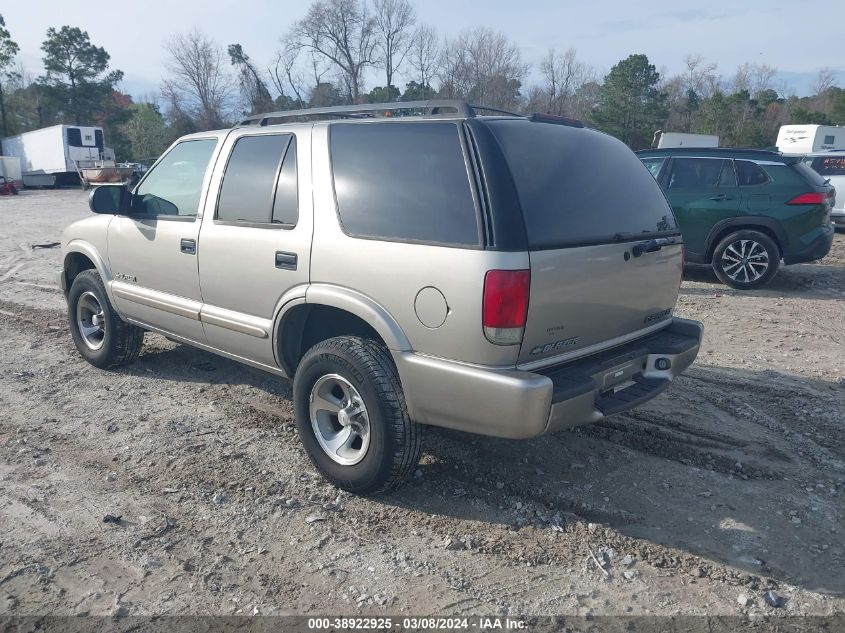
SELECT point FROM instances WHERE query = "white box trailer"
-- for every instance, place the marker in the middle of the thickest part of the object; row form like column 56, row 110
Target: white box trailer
column 10, row 167
column 52, row 154
column 682, row 139
column 806, row 139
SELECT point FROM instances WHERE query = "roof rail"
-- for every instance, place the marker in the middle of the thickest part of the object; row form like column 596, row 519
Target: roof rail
column 434, row 107
column 710, row 150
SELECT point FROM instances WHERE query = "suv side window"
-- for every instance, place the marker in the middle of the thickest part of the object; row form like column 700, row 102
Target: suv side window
column 259, row 184
column 174, row 185
column 654, row 165
column 403, row 182
column 689, row 173
column 728, row 176
column 749, row 174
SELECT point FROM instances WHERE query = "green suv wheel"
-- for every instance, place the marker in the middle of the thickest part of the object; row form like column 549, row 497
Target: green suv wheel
column 746, row 259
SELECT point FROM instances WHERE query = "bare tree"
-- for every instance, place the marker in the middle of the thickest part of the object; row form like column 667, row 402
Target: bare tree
column 423, row 54
column 254, row 91
column 700, row 76
column 286, row 71
column 762, row 76
column 198, row 85
column 482, row 65
column 342, row 31
column 562, row 74
column 755, row 78
column 825, row 80
column 395, row 20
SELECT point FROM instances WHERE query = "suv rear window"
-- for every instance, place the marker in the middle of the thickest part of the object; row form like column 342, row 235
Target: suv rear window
column 578, row 186
column 830, row 165
column 403, row 182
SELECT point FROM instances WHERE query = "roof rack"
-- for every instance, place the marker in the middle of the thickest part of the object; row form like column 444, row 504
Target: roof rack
column 433, row 107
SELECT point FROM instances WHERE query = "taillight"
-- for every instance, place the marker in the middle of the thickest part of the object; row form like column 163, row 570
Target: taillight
column 808, row 198
column 505, row 305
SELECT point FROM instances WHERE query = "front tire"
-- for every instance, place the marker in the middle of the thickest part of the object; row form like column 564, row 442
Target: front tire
column 100, row 335
column 746, row 259
column 352, row 417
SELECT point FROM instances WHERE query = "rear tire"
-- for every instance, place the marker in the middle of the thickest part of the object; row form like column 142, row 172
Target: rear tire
column 100, row 335
column 352, row 417
column 746, row 259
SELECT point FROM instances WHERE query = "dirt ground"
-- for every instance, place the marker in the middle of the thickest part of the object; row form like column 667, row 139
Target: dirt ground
column 729, row 484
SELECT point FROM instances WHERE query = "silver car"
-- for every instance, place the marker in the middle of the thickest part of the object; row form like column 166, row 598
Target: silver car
column 404, row 264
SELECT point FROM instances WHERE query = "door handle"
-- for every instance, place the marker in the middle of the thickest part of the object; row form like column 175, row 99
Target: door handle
column 721, row 197
column 285, row 261
column 650, row 246
column 188, row 246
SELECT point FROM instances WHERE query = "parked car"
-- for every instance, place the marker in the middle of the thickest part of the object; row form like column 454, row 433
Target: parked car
column 831, row 167
column 743, row 211
column 477, row 273
column 7, row 187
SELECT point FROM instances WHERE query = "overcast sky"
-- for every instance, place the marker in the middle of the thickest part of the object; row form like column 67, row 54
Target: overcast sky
column 789, row 35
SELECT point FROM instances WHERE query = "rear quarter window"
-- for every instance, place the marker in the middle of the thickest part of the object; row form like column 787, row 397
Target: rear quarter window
column 578, row 186
column 750, row 174
column 403, row 182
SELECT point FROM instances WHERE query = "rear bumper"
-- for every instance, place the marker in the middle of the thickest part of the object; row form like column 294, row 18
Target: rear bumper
column 817, row 248
column 837, row 216
column 520, row 404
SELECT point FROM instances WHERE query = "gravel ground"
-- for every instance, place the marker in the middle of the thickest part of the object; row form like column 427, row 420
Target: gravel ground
column 729, row 484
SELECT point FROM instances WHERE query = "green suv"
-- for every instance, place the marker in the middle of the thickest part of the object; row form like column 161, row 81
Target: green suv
column 742, row 211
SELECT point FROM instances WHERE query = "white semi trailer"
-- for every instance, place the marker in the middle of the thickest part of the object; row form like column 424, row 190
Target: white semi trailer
column 53, row 155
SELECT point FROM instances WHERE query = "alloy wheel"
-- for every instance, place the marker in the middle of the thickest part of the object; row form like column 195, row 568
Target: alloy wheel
column 339, row 419
column 745, row 261
column 90, row 320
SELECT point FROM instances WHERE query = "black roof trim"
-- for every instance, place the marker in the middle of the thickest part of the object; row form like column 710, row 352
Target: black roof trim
column 710, row 150
column 538, row 117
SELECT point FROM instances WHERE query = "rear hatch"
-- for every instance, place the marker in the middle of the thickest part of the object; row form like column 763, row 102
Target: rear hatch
column 605, row 251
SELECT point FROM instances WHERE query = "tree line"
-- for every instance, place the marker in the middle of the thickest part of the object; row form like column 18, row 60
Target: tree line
column 328, row 56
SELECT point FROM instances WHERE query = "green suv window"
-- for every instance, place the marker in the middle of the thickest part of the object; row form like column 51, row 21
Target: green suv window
column 688, row 173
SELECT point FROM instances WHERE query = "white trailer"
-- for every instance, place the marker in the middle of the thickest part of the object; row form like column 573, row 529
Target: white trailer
column 681, row 139
column 10, row 167
column 54, row 154
column 806, row 139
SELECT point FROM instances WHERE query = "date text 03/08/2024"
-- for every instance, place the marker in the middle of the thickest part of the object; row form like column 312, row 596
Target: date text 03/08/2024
column 417, row 624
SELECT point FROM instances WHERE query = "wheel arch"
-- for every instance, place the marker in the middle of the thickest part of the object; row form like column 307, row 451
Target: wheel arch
column 767, row 226
column 79, row 256
column 327, row 311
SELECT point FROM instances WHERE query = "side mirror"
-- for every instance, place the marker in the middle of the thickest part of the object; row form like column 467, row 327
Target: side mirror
column 110, row 199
